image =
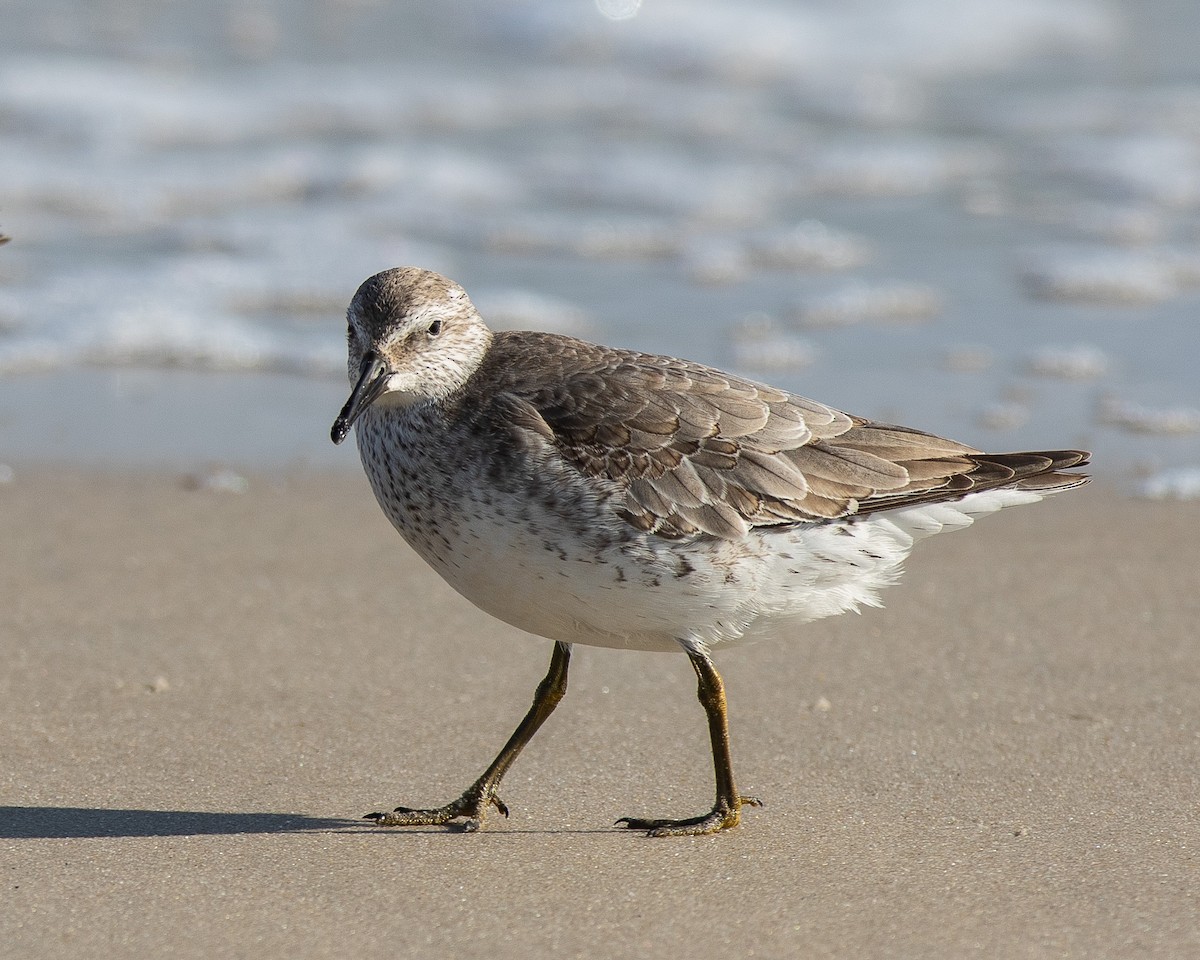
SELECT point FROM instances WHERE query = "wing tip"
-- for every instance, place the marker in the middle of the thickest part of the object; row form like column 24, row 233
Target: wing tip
column 1043, row 471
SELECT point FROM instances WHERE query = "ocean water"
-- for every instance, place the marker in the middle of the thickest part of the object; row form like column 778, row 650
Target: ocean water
column 977, row 218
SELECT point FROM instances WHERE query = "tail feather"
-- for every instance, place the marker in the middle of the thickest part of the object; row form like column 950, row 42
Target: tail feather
column 1040, row 472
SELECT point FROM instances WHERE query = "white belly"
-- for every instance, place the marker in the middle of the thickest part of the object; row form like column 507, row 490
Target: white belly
column 551, row 559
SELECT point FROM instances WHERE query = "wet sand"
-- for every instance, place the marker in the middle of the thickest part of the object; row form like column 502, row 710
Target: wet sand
column 202, row 691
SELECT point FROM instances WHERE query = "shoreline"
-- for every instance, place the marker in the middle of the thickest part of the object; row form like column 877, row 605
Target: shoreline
column 162, row 419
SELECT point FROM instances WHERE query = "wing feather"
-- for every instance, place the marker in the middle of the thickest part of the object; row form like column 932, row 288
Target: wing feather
column 687, row 450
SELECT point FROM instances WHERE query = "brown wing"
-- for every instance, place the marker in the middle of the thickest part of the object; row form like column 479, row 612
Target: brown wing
column 695, row 450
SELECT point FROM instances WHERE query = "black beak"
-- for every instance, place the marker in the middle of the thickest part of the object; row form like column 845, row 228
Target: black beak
column 372, row 377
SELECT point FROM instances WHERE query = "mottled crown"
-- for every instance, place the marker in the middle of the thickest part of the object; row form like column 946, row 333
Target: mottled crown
column 385, row 300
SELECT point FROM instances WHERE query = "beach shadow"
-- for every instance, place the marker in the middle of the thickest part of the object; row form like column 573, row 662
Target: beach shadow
column 63, row 822
column 59, row 823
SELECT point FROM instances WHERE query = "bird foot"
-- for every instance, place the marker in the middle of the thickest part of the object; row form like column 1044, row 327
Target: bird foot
column 471, row 808
column 722, row 817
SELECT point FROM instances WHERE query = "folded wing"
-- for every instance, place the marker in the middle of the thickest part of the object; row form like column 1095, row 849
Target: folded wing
column 697, row 451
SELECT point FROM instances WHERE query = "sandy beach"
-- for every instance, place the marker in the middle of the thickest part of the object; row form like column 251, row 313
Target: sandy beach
column 204, row 690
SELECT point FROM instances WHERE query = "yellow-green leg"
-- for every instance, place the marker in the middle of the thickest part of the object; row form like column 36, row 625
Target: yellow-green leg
column 727, row 811
column 472, row 806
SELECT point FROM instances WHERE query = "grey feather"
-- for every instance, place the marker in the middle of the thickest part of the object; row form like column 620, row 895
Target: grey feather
column 689, row 450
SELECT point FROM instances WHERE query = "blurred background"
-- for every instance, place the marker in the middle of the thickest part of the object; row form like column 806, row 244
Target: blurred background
column 978, row 218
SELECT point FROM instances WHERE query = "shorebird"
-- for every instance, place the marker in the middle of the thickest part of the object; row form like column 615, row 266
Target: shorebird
column 592, row 495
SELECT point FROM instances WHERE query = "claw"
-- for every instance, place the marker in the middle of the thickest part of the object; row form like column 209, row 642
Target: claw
column 722, row 817
column 470, row 808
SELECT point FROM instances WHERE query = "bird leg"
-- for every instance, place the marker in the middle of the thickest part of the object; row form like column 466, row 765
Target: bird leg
column 726, row 812
column 472, row 806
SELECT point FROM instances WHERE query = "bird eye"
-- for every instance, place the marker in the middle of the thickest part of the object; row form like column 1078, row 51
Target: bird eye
column 435, row 328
